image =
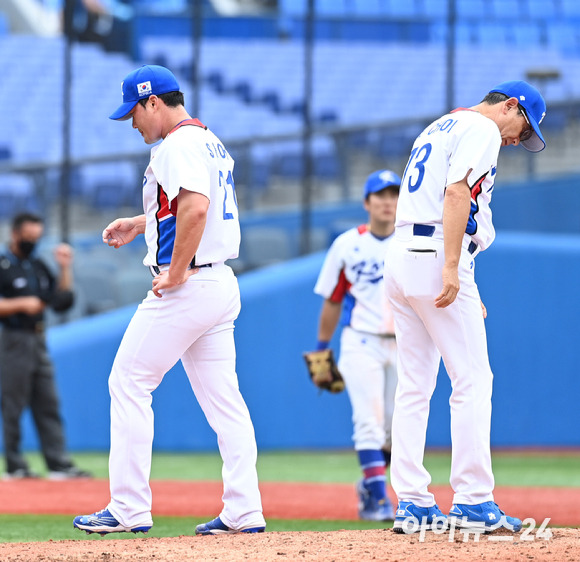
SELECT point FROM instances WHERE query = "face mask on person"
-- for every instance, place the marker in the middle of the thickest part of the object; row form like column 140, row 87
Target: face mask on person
column 25, row 247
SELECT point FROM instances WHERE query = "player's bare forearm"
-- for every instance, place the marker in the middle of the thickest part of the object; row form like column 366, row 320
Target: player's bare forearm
column 124, row 230
column 329, row 317
column 456, row 208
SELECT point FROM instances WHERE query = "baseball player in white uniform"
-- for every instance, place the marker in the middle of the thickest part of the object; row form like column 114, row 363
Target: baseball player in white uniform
column 443, row 222
column 191, row 228
column 351, row 283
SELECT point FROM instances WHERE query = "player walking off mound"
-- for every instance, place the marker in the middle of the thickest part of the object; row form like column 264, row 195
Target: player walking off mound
column 443, row 222
column 191, row 228
column 351, row 281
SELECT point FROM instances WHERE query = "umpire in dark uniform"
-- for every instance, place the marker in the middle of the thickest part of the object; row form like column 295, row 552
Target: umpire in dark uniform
column 27, row 287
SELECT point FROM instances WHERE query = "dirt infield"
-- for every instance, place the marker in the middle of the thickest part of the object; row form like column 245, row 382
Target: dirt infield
column 291, row 501
column 324, row 546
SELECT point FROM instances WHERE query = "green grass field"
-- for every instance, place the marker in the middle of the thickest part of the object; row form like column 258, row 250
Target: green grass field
column 541, row 468
column 511, row 469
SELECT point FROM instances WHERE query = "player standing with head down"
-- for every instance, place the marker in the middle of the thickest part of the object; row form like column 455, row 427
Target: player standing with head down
column 191, row 228
column 351, row 282
column 443, row 221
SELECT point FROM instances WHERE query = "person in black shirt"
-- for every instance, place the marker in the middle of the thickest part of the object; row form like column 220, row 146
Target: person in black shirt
column 27, row 287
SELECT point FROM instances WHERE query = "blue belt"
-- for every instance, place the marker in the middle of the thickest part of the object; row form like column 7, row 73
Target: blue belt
column 429, row 230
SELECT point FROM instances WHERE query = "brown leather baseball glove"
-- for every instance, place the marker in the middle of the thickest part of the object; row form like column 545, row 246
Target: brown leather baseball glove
column 323, row 370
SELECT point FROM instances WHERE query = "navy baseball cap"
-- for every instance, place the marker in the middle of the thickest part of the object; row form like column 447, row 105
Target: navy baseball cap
column 380, row 180
column 534, row 105
column 140, row 84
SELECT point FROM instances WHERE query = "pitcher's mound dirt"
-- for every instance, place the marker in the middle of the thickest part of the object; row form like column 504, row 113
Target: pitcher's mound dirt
column 323, row 546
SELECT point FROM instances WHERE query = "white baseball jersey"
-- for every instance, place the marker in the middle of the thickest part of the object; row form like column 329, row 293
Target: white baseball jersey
column 452, row 145
column 352, row 273
column 191, row 157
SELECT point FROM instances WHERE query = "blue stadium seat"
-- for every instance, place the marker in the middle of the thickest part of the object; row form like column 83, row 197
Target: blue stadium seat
column 527, row 34
column 509, row 9
column 434, row 8
column 542, row 9
column 17, row 194
column 472, row 9
column 466, row 32
column 438, row 31
column 564, row 36
column 570, row 9
column 110, row 184
column 292, row 7
column 493, row 33
column 369, row 8
column 333, row 8
column 401, row 8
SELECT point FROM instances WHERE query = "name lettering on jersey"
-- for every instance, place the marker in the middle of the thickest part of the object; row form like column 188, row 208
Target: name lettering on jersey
column 446, row 125
column 218, row 150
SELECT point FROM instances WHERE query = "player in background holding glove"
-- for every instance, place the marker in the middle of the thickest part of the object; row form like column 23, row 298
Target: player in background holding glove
column 351, row 283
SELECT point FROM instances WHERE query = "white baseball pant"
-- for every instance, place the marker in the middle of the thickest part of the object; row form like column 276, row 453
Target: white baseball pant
column 195, row 323
column 424, row 335
column 368, row 365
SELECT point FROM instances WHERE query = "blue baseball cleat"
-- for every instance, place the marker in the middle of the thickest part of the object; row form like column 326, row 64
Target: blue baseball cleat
column 103, row 522
column 486, row 516
column 217, row 527
column 371, row 509
column 411, row 518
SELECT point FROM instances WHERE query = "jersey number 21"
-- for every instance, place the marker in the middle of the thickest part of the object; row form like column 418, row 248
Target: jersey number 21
column 230, row 201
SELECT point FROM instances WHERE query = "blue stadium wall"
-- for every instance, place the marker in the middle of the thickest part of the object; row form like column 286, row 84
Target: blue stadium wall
column 529, row 283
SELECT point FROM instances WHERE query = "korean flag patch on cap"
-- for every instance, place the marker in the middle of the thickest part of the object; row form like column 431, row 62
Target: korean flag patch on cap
column 144, row 88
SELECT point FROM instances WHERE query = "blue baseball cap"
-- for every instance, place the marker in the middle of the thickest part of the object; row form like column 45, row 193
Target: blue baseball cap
column 380, row 180
column 146, row 81
column 534, row 105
